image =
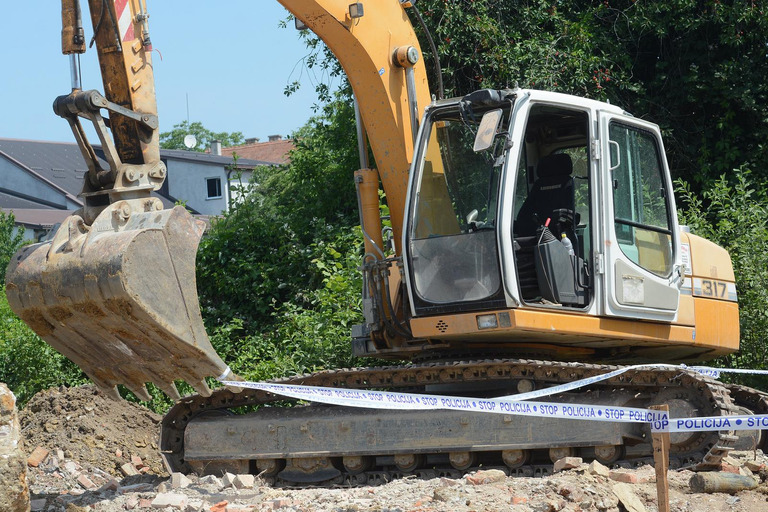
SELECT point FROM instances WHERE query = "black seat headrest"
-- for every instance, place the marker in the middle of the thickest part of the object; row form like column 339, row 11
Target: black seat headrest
column 558, row 164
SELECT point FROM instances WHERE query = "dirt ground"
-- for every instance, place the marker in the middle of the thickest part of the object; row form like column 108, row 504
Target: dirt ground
column 81, row 443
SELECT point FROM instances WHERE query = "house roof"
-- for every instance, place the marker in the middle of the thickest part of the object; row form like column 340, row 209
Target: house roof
column 38, row 218
column 62, row 165
column 196, row 156
column 59, row 173
column 274, row 152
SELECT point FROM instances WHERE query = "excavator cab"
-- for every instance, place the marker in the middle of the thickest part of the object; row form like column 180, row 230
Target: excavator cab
column 565, row 207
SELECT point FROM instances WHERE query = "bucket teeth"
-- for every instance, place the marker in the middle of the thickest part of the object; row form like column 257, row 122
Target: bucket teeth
column 110, row 391
column 170, row 390
column 201, row 387
column 140, row 392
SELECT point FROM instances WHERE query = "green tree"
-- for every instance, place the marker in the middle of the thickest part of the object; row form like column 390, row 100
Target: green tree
column 10, row 241
column 258, row 255
column 695, row 68
column 733, row 213
column 174, row 139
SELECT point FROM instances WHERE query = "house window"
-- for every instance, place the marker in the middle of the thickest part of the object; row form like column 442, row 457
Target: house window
column 214, row 187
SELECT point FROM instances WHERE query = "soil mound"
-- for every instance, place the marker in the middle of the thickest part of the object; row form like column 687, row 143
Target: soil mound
column 91, row 428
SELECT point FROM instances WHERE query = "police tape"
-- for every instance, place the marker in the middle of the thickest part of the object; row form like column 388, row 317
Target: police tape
column 522, row 403
column 412, row 401
column 714, row 423
column 715, row 372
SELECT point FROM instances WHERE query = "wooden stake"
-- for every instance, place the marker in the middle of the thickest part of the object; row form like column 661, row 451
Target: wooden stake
column 661, row 462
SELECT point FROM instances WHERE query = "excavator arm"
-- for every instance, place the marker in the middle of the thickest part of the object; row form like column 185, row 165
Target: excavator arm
column 374, row 51
column 115, row 289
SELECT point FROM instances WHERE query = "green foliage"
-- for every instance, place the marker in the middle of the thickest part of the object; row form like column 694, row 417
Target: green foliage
column 309, row 332
column 696, row 68
column 27, row 363
column 733, row 213
column 259, row 253
column 10, row 241
column 174, row 139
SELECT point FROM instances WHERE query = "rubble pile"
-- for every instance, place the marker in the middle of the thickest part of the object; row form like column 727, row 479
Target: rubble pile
column 78, row 476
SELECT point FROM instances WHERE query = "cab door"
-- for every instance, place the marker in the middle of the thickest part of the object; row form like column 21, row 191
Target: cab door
column 640, row 259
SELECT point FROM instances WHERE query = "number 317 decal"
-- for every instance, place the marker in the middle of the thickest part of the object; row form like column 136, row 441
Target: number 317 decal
column 714, row 289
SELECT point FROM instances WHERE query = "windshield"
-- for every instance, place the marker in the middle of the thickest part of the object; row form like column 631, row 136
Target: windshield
column 452, row 233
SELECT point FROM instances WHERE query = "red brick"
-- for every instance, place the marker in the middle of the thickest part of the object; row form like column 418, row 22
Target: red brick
column 37, row 456
column 85, row 482
column 220, row 506
column 621, row 476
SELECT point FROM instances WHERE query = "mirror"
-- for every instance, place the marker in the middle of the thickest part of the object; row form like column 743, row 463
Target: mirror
column 487, row 130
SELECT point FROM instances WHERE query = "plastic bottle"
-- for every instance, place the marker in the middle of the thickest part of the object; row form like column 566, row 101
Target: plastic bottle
column 567, row 243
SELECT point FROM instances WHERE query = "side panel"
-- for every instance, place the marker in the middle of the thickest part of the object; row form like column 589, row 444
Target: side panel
column 710, row 286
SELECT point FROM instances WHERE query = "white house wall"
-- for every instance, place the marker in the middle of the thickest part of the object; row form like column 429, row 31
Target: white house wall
column 187, row 182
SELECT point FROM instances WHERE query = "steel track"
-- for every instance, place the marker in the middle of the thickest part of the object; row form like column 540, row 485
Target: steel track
column 697, row 451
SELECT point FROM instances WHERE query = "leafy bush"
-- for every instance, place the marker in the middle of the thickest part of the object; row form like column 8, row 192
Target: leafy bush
column 9, row 241
column 260, row 253
column 734, row 214
column 27, row 363
column 309, row 332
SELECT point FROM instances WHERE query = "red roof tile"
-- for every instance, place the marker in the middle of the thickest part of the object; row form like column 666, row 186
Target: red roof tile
column 275, row 152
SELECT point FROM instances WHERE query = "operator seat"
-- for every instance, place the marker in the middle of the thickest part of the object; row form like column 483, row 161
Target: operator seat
column 553, row 190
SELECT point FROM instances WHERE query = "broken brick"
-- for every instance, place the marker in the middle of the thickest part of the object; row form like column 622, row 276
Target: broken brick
column 37, row 456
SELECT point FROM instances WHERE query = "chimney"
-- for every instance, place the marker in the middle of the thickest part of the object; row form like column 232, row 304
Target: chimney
column 252, row 140
column 216, row 147
column 273, row 138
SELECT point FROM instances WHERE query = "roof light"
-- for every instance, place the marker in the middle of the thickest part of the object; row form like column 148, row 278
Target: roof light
column 356, row 10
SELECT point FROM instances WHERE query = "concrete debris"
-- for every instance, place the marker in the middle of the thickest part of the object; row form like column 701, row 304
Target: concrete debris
column 171, row 500
column 244, row 481
column 129, row 469
column 179, row 481
column 567, row 463
column 228, row 480
column 628, row 498
column 14, row 493
column 597, row 469
column 488, row 476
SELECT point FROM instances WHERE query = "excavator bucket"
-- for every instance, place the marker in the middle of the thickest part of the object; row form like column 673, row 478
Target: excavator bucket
column 119, row 299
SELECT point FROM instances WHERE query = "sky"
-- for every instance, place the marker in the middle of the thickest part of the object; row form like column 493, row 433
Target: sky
column 228, row 61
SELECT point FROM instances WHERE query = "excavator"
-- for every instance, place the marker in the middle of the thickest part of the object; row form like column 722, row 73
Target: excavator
column 534, row 241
